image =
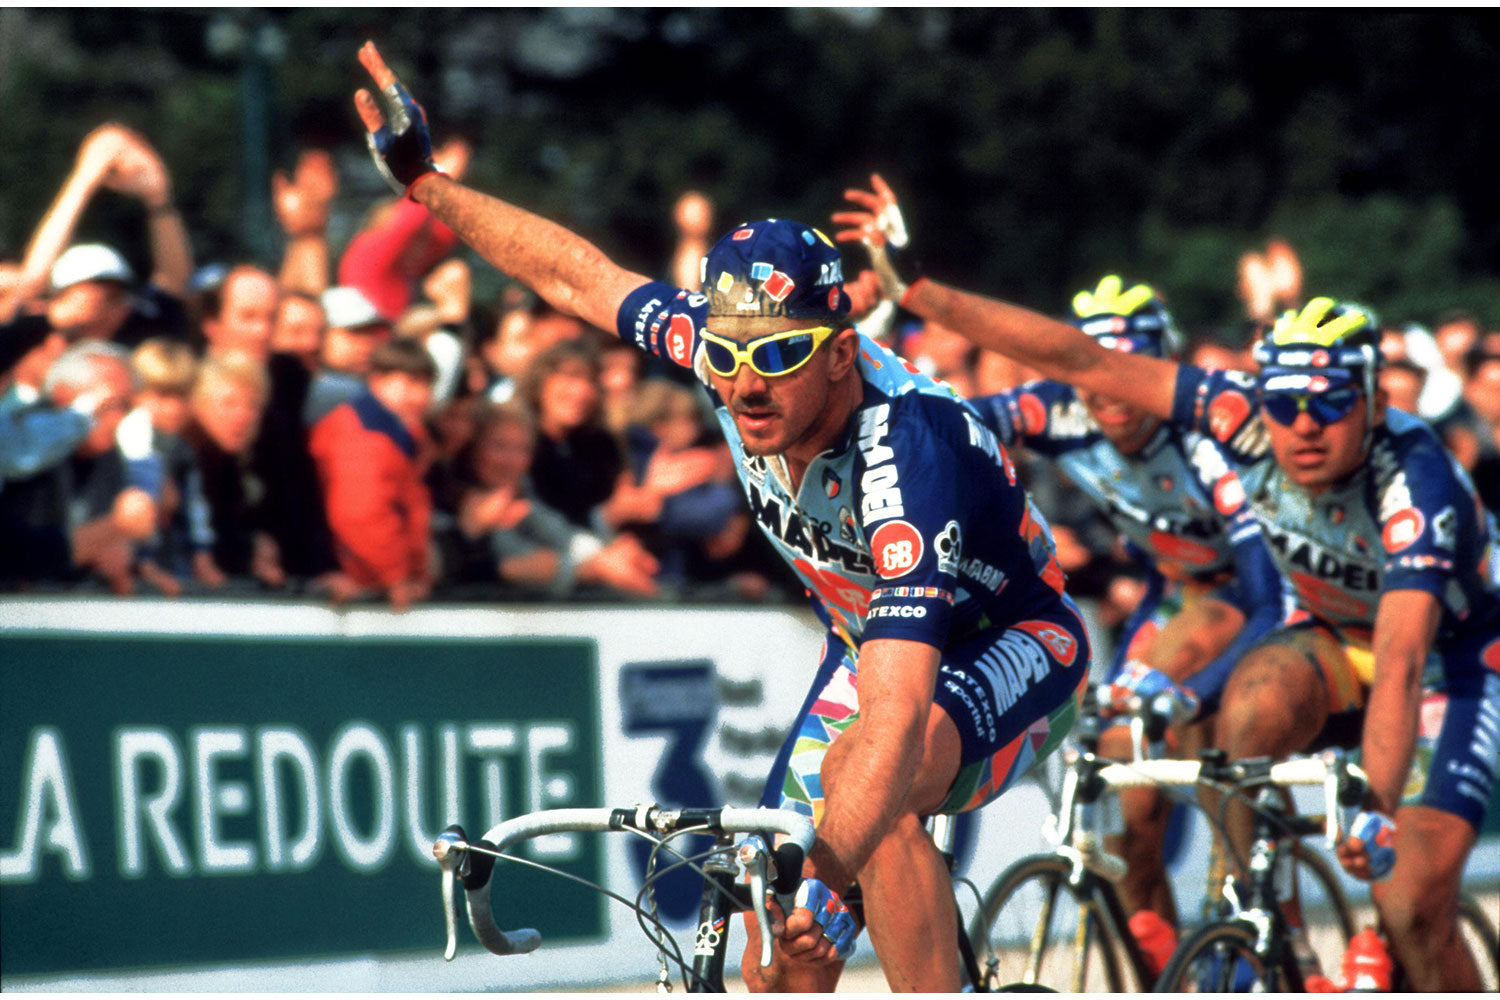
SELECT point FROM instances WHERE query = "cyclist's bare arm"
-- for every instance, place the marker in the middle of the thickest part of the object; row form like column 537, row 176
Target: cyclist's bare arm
column 1054, row 348
column 568, row 271
column 878, row 764
column 1406, row 622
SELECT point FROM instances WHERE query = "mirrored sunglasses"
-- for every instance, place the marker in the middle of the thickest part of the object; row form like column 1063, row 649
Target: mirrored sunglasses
column 1324, row 407
column 771, row 355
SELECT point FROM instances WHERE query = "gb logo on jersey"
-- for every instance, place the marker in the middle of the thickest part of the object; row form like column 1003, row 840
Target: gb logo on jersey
column 1229, row 494
column 949, row 546
column 897, row 548
column 1403, row 529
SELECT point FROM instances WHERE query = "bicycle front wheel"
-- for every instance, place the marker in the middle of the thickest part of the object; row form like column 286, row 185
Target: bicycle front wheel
column 1035, row 929
column 1220, row 958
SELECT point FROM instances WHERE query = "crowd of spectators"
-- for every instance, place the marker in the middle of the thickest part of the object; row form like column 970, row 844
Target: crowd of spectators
column 351, row 425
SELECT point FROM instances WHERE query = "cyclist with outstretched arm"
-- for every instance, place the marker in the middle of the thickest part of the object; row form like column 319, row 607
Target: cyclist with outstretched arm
column 953, row 659
column 1381, row 535
column 1212, row 589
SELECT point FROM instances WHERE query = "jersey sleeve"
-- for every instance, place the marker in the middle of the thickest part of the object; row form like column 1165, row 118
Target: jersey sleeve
column 663, row 320
column 910, row 510
column 1047, row 417
column 1428, row 522
column 1222, row 405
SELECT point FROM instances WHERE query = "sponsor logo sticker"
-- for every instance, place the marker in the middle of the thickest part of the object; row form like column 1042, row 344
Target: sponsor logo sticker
column 1033, row 414
column 1229, row 494
column 743, row 234
column 1402, row 529
column 897, row 548
column 1226, row 413
column 778, row 286
column 1062, row 645
column 680, row 340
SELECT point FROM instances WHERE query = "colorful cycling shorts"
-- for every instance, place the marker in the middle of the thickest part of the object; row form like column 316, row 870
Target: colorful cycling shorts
column 1458, row 740
column 1013, row 693
column 1165, row 599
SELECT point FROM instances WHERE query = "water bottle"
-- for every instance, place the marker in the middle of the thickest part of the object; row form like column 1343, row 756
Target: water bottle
column 1367, row 965
column 1156, row 937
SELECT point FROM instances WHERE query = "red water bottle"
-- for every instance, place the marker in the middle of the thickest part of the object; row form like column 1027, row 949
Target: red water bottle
column 1367, row 965
column 1156, row 937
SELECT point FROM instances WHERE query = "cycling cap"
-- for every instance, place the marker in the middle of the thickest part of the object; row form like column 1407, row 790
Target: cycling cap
column 1325, row 345
column 775, row 267
column 1132, row 319
column 90, row 262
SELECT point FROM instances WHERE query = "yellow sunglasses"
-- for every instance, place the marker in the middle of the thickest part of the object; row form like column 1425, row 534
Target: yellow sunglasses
column 769, row 356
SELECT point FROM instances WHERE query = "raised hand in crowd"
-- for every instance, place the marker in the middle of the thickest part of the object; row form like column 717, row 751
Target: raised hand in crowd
column 694, row 217
column 301, row 203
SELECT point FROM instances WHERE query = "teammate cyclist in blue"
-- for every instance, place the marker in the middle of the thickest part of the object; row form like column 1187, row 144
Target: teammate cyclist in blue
column 1212, row 589
column 897, row 508
column 1382, row 536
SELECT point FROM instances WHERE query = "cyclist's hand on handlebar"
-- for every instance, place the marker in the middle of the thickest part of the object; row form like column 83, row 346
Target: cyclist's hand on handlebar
column 821, row 929
column 1139, row 684
column 1369, row 851
column 400, row 145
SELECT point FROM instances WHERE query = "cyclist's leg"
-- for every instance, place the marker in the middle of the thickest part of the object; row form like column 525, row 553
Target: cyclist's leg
column 1277, row 701
column 1439, row 818
column 795, row 782
column 907, row 890
column 1194, row 629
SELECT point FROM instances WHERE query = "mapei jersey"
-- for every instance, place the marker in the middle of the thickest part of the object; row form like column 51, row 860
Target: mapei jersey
column 1176, row 499
column 913, row 527
column 1408, row 520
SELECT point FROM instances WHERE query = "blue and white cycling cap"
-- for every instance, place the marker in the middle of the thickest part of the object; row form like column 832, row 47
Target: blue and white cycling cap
column 775, row 267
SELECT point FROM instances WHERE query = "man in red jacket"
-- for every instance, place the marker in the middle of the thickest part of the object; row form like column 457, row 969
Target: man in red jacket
column 370, row 454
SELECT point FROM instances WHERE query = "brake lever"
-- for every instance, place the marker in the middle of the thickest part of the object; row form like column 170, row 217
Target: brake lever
column 451, row 852
column 754, row 858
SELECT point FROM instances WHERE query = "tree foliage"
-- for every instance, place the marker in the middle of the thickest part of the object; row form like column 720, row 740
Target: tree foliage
column 1034, row 148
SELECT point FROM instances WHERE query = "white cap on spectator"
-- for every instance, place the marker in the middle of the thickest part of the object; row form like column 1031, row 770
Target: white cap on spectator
column 90, row 262
column 348, row 309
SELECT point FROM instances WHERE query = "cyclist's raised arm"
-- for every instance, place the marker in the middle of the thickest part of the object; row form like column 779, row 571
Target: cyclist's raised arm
column 1054, row 348
column 568, row 271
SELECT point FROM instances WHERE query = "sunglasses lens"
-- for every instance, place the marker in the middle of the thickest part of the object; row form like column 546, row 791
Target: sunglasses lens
column 721, row 360
column 1331, row 407
column 773, row 357
column 1282, row 409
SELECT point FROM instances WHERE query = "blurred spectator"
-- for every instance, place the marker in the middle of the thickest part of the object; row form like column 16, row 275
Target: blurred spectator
column 702, row 519
column 66, row 509
column 1270, row 282
column 1456, row 334
column 370, row 459
column 355, row 329
column 440, row 323
column 694, row 217
column 239, row 312
column 943, row 354
column 299, row 327
column 91, row 283
column 301, row 204
column 505, row 533
column 226, row 404
column 620, row 367
column 1219, row 356
column 523, row 334
column 578, row 468
column 1402, row 381
column 401, row 243
column 160, row 462
column 1482, row 396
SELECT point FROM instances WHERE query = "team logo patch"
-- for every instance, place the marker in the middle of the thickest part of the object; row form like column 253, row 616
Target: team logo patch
column 1033, row 414
column 1229, row 494
column 1402, row 529
column 1491, row 656
column 743, row 234
column 897, row 548
column 833, row 299
column 680, row 340
column 949, row 547
column 1227, row 412
column 778, row 286
column 1319, row 359
column 1317, row 383
column 1445, row 529
column 831, row 483
column 1057, row 640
